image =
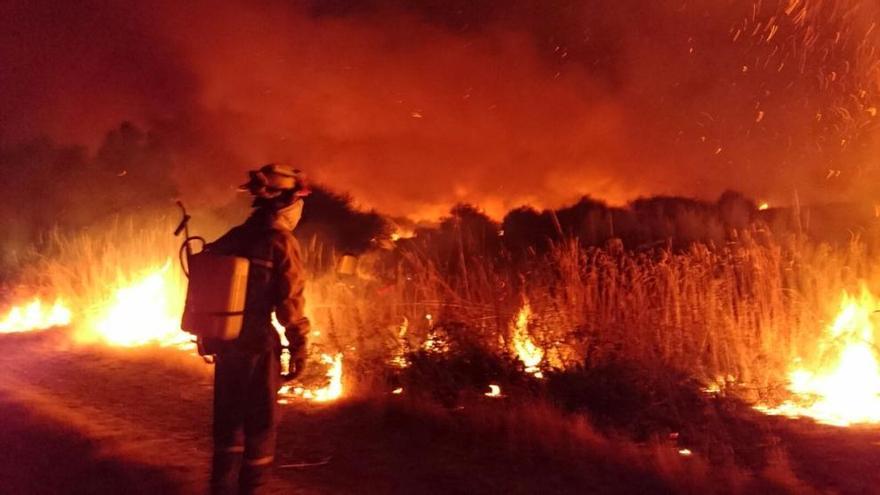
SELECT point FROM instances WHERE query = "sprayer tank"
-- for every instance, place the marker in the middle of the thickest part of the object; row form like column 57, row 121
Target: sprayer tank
column 215, row 296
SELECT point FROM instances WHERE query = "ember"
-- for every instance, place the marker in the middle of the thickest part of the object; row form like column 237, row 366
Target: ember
column 494, row 391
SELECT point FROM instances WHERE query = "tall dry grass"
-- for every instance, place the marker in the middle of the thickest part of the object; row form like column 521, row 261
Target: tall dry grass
column 744, row 309
column 88, row 269
column 741, row 311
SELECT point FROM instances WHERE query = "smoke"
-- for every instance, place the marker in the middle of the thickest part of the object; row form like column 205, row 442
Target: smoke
column 414, row 106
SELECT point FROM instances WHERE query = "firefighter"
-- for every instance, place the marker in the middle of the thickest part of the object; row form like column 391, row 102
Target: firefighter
column 247, row 370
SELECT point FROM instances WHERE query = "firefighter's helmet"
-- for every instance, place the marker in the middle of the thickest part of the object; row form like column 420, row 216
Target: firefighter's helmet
column 274, row 180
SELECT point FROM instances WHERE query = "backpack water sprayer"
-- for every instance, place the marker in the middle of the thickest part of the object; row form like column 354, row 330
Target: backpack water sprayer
column 215, row 294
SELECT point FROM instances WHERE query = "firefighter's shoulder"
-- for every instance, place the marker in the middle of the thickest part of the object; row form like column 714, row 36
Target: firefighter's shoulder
column 284, row 240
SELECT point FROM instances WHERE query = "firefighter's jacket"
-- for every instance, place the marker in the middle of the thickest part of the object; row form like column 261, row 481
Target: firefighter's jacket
column 275, row 280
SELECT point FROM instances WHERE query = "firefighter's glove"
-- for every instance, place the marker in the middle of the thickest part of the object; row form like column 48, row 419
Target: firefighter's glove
column 297, row 337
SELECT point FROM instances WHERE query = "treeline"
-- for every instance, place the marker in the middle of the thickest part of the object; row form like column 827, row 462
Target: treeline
column 49, row 186
column 647, row 222
column 662, row 221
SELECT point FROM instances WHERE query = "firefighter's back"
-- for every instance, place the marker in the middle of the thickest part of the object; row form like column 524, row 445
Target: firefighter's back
column 258, row 241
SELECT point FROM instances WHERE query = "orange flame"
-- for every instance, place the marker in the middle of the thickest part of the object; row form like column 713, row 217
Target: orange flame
column 845, row 389
column 330, row 392
column 333, row 390
column 399, row 359
column 35, row 316
column 128, row 293
column 145, row 311
column 526, row 350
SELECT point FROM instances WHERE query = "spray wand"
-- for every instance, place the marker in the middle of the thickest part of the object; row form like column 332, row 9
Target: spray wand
column 186, row 247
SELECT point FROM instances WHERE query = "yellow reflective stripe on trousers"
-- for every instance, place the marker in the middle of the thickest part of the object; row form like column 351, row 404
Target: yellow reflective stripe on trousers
column 263, row 263
column 260, row 461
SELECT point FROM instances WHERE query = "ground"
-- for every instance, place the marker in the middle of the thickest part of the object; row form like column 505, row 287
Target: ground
column 99, row 420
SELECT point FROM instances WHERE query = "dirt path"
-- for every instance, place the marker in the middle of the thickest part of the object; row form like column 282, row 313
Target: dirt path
column 98, row 410
column 42, row 455
column 128, row 421
column 137, row 421
column 837, row 460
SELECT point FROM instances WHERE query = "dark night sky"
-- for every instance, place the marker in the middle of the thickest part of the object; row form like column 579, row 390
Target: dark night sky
column 414, row 105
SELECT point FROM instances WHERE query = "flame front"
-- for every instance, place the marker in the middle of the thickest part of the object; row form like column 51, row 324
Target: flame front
column 845, row 388
column 333, row 390
column 145, row 311
column 35, row 316
column 120, row 288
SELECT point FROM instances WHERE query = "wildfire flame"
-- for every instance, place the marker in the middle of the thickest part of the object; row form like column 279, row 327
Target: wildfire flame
column 332, row 391
column 845, row 388
column 399, row 359
column 35, row 316
column 402, row 233
column 120, row 288
column 146, row 311
column 526, row 350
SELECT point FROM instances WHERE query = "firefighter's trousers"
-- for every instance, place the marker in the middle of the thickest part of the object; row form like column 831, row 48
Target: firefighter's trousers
column 245, row 392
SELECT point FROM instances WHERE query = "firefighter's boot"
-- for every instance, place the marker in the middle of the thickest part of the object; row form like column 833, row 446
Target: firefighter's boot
column 254, row 477
column 224, row 472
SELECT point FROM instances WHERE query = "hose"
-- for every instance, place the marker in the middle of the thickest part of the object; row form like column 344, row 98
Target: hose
column 186, row 251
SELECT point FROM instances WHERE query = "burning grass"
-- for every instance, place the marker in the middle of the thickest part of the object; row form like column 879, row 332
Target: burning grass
column 733, row 315
column 840, row 385
column 650, row 343
column 123, row 287
column 35, row 316
column 120, row 280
